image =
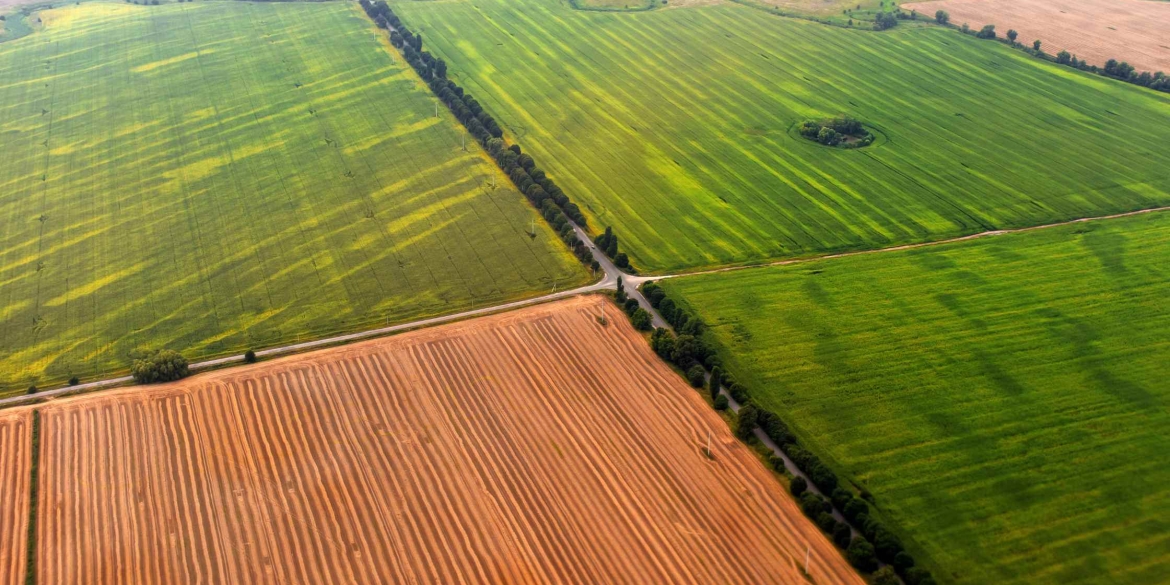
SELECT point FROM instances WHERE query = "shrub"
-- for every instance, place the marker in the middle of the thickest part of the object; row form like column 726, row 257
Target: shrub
column 855, row 509
column 798, row 486
column 641, row 319
column 860, row 555
column 918, row 576
column 870, row 527
column 159, row 366
column 739, row 393
column 823, row 477
column 630, row 305
column 696, row 376
column 886, row 546
column 31, row 389
column 885, row 576
column 840, row 497
column 250, row 356
column 811, row 504
column 826, row 522
column 842, row 534
column 74, row 381
column 942, row 17
column 987, row 32
column 746, row 421
column 721, row 403
column 903, row 561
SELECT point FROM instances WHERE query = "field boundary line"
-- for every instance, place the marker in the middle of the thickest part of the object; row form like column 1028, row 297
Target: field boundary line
column 637, row 279
column 30, row 561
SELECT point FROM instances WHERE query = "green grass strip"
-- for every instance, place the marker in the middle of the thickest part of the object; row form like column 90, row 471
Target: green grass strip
column 30, row 573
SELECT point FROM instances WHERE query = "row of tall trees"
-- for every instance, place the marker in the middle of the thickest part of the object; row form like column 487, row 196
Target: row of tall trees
column 875, row 544
column 537, row 187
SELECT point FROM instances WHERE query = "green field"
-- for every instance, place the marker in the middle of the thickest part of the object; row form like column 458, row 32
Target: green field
column 1006, row 400
column 674, row 126
column 212, row 176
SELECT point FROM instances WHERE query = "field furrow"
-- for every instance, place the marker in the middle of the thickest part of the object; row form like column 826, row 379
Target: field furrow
column 15, row 463
column 533, row 447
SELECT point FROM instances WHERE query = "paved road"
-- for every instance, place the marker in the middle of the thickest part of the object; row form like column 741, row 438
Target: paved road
column 608, row 281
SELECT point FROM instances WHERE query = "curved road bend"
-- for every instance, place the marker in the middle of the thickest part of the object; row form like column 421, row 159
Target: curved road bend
column 607, row 282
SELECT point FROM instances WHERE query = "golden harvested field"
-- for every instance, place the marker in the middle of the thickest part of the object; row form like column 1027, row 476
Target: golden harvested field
column 15, row 459
column 537, row 446
column 1136, row 31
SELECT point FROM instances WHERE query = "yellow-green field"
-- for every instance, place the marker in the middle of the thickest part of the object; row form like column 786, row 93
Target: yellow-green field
column 212, row 176
column 675, row 126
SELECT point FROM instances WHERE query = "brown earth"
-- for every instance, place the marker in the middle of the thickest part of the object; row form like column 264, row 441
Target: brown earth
column 536, row 446
column 1136, row 31
column 15, row 462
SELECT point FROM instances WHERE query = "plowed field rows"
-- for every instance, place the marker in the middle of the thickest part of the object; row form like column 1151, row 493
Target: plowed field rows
column 15, row 459
column 537, row 446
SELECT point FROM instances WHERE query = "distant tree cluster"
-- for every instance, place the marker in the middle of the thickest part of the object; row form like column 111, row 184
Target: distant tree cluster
column 537, row 187
column 885, row 20
column 841, row 131
column 164, row 365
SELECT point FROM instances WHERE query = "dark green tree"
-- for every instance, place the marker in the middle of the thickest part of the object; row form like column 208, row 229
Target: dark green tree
column 987, row 32
column 1036, row 45
column 159, row 366
column 860, row 555
column 715, row 381
column 720, row 403
column 798, row 486
column 250, row 356
column 1012, row 34
column 942, row 17
column 746, row 421
column 696, row 376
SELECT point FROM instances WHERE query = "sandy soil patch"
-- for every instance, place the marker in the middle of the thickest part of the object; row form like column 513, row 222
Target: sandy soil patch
column 1137, row 31
column 537, row 446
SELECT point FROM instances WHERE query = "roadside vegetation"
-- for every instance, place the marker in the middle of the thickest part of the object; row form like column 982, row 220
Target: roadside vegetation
column 673, row 127
column 231, row 175
column 1000, row 400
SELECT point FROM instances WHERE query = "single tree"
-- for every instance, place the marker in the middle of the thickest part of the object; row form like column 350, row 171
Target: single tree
column 696, row 376
column 31, row 389
column 74, row 381
column 798, row 486
column 886, row 576
column 860, row 555
column 250, row 356
column 1036, row 45
column 640, row 319
column 842, row 534
column 715, row 381
column 1012, row 34
column 746, row 421
column 721, row 403
column 942, row 17
column 987, row 32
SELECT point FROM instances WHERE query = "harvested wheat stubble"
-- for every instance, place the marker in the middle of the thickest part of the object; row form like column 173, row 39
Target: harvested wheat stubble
column 1094, row 30
column 537, row 446
column 15, row 459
